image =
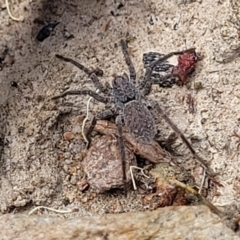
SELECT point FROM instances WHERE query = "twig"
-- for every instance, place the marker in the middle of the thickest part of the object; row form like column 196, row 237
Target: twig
column 19, row 19
column 132, row 177
column 201, row 199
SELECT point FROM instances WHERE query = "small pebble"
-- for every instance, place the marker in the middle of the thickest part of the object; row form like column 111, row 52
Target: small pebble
column 68, row 136
column 198, row 85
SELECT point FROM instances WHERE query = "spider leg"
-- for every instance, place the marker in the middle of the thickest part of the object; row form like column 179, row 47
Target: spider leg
column 106, row 114
column 128, row 61
column 146, row 84
column 92, row 74
column 119, row 122
column 163, row 81
column 179, row 133
column 91, row 93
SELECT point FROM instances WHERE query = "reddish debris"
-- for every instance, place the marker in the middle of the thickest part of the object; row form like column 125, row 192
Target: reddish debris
column 165, row 194
column 186, row 65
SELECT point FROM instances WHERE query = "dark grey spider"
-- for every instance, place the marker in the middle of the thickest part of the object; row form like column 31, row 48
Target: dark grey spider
column 128, row 103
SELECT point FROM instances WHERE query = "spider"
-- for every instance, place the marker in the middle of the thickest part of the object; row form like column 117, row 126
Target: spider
column 126, row 102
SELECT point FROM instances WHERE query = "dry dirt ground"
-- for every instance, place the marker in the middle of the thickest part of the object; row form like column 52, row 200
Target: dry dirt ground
column 39, row 167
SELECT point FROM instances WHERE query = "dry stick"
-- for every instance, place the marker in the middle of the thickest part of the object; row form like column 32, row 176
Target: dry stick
column 20, row 19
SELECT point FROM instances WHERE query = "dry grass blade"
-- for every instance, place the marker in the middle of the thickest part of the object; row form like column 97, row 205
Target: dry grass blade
column 19, row 19
column 201, row 199
column 51, row 209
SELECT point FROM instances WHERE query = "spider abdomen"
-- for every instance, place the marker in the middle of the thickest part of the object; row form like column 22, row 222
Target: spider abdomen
column 139, row 121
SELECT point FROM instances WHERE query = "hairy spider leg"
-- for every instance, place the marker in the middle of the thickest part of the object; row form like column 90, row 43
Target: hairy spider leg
column 163, row 81
column 128, row 61
column 92, row 73
column 104, row 99
column 179, row 133
column 119, row 123
column 91, row 93
column 106, row 114
column 100, row 116
column 119, row 119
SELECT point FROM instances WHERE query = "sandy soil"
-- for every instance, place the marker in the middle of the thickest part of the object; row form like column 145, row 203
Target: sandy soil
column 39, row 167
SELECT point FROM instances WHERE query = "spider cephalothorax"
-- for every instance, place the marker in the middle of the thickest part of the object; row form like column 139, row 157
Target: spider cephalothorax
column 128, row 103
